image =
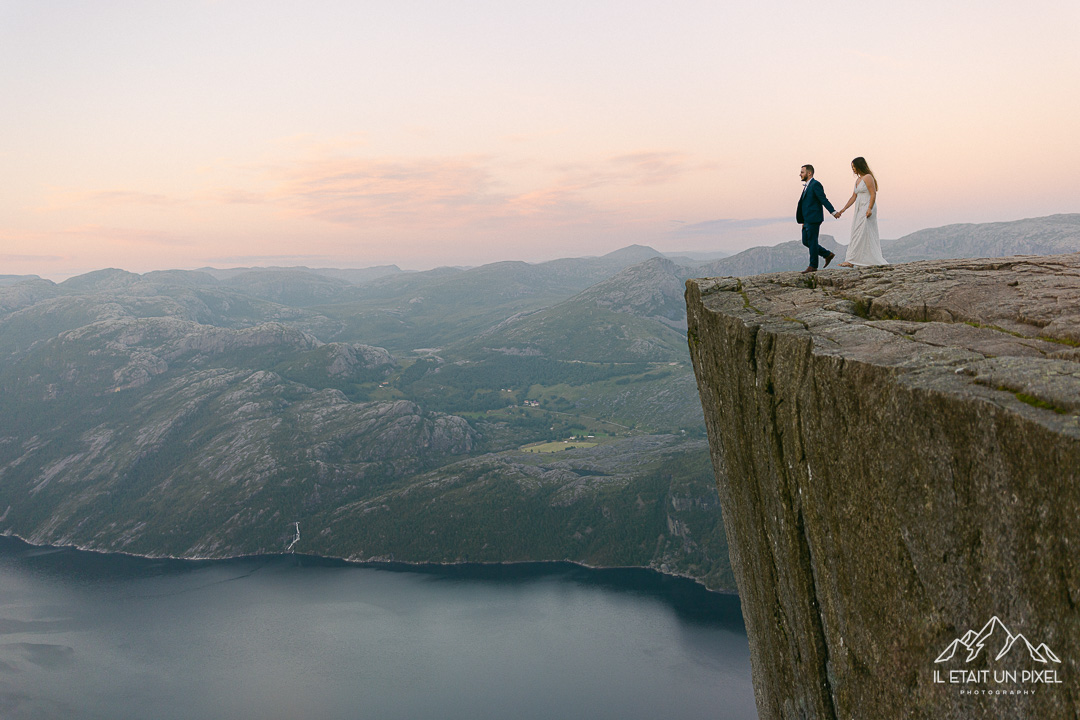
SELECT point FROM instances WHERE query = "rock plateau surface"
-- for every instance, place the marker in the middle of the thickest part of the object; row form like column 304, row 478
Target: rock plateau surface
column 898, row 460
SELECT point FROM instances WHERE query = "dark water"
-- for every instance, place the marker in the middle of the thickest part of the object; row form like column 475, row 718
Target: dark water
column 112, row 637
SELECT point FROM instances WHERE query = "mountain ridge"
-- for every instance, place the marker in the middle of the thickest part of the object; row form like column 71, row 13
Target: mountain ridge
column 545, row 387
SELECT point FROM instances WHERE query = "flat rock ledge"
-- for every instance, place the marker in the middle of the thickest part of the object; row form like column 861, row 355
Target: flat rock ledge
column 898, row 460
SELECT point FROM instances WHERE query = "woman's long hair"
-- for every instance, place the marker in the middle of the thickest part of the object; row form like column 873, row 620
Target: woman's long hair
column 863, row 169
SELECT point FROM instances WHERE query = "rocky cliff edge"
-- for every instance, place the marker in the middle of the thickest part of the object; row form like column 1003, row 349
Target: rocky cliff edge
column 898, row 460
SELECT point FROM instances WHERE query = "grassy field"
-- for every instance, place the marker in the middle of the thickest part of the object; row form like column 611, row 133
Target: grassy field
column 552, row 447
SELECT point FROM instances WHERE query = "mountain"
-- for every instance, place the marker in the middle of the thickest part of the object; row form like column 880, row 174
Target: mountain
column 300, row 286
column 180, row 413
column 25, row 293
column 164, row 436
column 38, row 309
column 353, row 276
column 636, row 315
column 624, row 337
column 643, row 501
column 506, row 412
column 359, row 275
column 693, row 257
column 1034, row 236
column 12, row 279
column 439, row 307
column 758, row 260
column 289, row 286
column 651, row 289
column 632, row 254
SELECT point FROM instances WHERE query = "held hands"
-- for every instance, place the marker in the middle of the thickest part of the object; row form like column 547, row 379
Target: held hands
column 837, row 214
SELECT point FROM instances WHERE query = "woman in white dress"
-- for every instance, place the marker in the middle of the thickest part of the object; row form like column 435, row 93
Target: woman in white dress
column 865, row 246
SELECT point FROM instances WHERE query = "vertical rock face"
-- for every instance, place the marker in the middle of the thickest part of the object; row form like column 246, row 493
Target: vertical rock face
column 898, row 459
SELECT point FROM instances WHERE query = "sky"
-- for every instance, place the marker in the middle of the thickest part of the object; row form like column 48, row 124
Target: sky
column 328, row 133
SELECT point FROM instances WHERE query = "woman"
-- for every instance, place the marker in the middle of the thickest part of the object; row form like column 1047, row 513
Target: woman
column 865, row 246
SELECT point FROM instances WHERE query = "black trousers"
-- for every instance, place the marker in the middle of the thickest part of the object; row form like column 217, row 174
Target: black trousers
column 810, row 240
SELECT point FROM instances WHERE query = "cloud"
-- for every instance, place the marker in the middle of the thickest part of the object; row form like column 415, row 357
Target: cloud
column 456, row 191
column 358, row 190
column 726, row 225
column 642, row 168
column 14, row 258
column 117, row 198
column 402, row 196
column 523, row 138
column 127, row 236
column 650, row 168
column 555, row 201
column 247, row 260
column 238, row 197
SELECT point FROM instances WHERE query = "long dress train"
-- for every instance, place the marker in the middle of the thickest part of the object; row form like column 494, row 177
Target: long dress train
column 865, row 246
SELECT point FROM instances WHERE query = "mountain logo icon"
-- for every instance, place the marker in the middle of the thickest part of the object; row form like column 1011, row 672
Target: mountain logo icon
column 997, row 641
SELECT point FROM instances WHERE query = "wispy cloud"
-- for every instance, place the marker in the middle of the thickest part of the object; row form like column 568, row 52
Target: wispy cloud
column 726, row 225
column 127, row 236
column 457, row 191
column 523, row 138
column 109, row 199
column 359, row 190
column 129, row 197
column 247, row 260
column 643, row 168
column 15, row 258
column 385, row 199
column 651, row 168
column 236, row 196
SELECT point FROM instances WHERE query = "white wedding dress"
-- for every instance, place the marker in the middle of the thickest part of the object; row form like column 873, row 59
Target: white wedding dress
column 865, row 246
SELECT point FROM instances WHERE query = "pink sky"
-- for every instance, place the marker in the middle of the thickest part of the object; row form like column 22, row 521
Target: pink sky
column 182, row 134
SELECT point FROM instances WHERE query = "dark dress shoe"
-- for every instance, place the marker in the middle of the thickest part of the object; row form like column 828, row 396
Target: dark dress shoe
column 809, row 270
column 828, row 258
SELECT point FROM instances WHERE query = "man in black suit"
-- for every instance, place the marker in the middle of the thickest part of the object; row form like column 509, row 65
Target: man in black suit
column 809, row 215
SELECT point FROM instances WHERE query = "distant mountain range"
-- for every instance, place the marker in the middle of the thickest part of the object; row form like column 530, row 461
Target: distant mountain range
column 349, row 275
column 200, row 414
column 756, row 261
column 1034, row 236
column 636, row 315
column 1051, row 235
column 512, row 411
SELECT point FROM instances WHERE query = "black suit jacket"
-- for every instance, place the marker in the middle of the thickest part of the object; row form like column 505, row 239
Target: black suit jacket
column 809, row 208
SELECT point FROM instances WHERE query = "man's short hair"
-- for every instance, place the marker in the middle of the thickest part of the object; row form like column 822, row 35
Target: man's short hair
column 809, row 169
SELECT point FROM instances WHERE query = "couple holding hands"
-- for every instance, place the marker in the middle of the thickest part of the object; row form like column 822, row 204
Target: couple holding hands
column 865, row 246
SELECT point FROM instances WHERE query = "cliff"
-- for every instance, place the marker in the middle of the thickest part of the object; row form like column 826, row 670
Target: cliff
column 898, row 459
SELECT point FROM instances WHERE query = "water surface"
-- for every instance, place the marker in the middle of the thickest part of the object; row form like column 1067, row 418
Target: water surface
column 113, row 637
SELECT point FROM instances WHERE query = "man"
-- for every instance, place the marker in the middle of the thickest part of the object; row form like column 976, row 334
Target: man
column 809, row 215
